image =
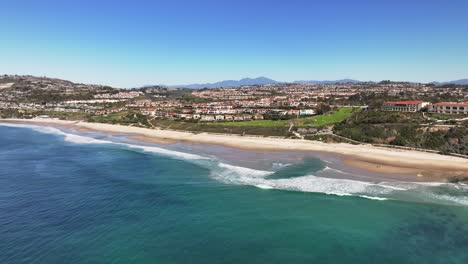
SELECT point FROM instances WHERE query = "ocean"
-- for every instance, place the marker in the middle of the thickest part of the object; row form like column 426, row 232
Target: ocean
column 96, row 198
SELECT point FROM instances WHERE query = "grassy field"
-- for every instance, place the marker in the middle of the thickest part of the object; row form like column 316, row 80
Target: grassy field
column 315, row 121
column 258, row 123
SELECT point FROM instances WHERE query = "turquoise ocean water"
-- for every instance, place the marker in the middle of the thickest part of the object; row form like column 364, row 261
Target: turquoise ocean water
column 66, row 198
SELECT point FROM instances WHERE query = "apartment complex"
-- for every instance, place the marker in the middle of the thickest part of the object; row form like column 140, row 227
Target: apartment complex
column 449, row 108
column 404, row 106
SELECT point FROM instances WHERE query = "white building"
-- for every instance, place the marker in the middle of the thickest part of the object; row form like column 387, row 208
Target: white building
column 306, row 112
column 404, row 106
column 449, row 108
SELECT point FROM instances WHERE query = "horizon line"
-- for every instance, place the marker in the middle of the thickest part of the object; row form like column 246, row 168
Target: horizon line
column 232, row 79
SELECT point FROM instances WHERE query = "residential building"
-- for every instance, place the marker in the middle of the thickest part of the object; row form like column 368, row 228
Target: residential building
column 207, row 118
column 306, row 112
column 258, row 117
column 449, row 108
column 404, row 106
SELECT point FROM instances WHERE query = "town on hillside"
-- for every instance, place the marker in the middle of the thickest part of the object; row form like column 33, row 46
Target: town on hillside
column 428, row 116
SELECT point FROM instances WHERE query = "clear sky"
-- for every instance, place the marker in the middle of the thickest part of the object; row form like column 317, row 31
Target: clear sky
column 132, row 43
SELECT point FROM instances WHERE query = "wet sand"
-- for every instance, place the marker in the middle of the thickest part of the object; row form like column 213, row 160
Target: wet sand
column 410, row 165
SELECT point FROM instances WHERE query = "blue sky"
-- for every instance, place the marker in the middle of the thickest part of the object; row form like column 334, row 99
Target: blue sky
column 132, row 43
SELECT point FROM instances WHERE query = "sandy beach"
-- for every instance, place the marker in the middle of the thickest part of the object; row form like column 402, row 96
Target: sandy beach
column 429, row 166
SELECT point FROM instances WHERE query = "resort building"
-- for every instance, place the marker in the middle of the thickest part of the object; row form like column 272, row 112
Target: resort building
column 404, row 106
column 449, row 108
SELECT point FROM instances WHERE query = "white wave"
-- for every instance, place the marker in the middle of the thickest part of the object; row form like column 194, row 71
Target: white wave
column 389, row 186
column 239, row 175
column 162, row 151
column 83, row 140
column 244, row 176
column 78, row 139
column 460, row 200
column 52, row 130
column 20, row 125
column 278, row 165
column 459, row 186
column 414, row 191
column 433, row 184
column 321, row 185
column 382, row 191
column 373, row 198
column 335, row 170
column 265, row 187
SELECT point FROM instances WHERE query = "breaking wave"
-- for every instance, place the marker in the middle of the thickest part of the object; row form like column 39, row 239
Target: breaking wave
column 442, row 193
column 77, row 139
column 446, row 193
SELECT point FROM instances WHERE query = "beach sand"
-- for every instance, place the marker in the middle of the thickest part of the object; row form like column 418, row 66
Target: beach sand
column 426, row 166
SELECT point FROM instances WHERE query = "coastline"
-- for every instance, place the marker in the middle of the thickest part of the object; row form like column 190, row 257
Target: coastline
column 427, row 166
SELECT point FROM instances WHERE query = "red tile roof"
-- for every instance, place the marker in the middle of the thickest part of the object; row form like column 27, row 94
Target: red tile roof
column 452, row 104
column 405, row 102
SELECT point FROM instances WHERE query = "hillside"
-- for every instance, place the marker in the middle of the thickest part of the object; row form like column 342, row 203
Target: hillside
column 405, row 129
column 25, row 88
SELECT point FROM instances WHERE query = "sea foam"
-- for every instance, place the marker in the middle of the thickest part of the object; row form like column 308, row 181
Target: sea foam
column 378, row 191
column 78, row 139
column 309, row 183
column 230, row 174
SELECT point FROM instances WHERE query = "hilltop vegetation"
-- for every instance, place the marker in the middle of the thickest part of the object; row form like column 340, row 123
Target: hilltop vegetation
column 28, row 114
column 404, row 129
column 30, row 89
column 122, row 118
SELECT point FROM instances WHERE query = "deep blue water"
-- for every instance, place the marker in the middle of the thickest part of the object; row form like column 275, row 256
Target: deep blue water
column 66, row 202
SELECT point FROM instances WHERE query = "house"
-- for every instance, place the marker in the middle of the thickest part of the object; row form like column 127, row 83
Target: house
column 306, row 112
column 247, row 117
column 404, row 106
column 449, row 108
column 219, row 117
column 258, row 117
column 238, row 118
column 294, row 112
column 228, row 117
column 185, row 116
column 207, row 118
column 43, row 117
column 278, row 112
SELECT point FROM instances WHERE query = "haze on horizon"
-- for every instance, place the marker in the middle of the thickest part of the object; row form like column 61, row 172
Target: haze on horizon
column 134, row 43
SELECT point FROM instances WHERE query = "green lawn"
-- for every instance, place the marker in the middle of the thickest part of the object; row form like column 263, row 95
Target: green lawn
column 328, row 119
column 259, row 123
column 315, row 121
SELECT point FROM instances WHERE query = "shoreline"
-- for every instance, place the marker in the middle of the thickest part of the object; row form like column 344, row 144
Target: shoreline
column 427, row 166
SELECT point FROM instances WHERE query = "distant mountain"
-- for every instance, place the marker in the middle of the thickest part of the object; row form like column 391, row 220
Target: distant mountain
column 229, row 83
column 328, row 82
column 457, row 82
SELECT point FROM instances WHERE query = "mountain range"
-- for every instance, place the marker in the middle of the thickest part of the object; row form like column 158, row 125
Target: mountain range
column 255, row 81
column 229, row 83
column 226, row 83
column 265, row 80
column 328, row 82
column 457, row 82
